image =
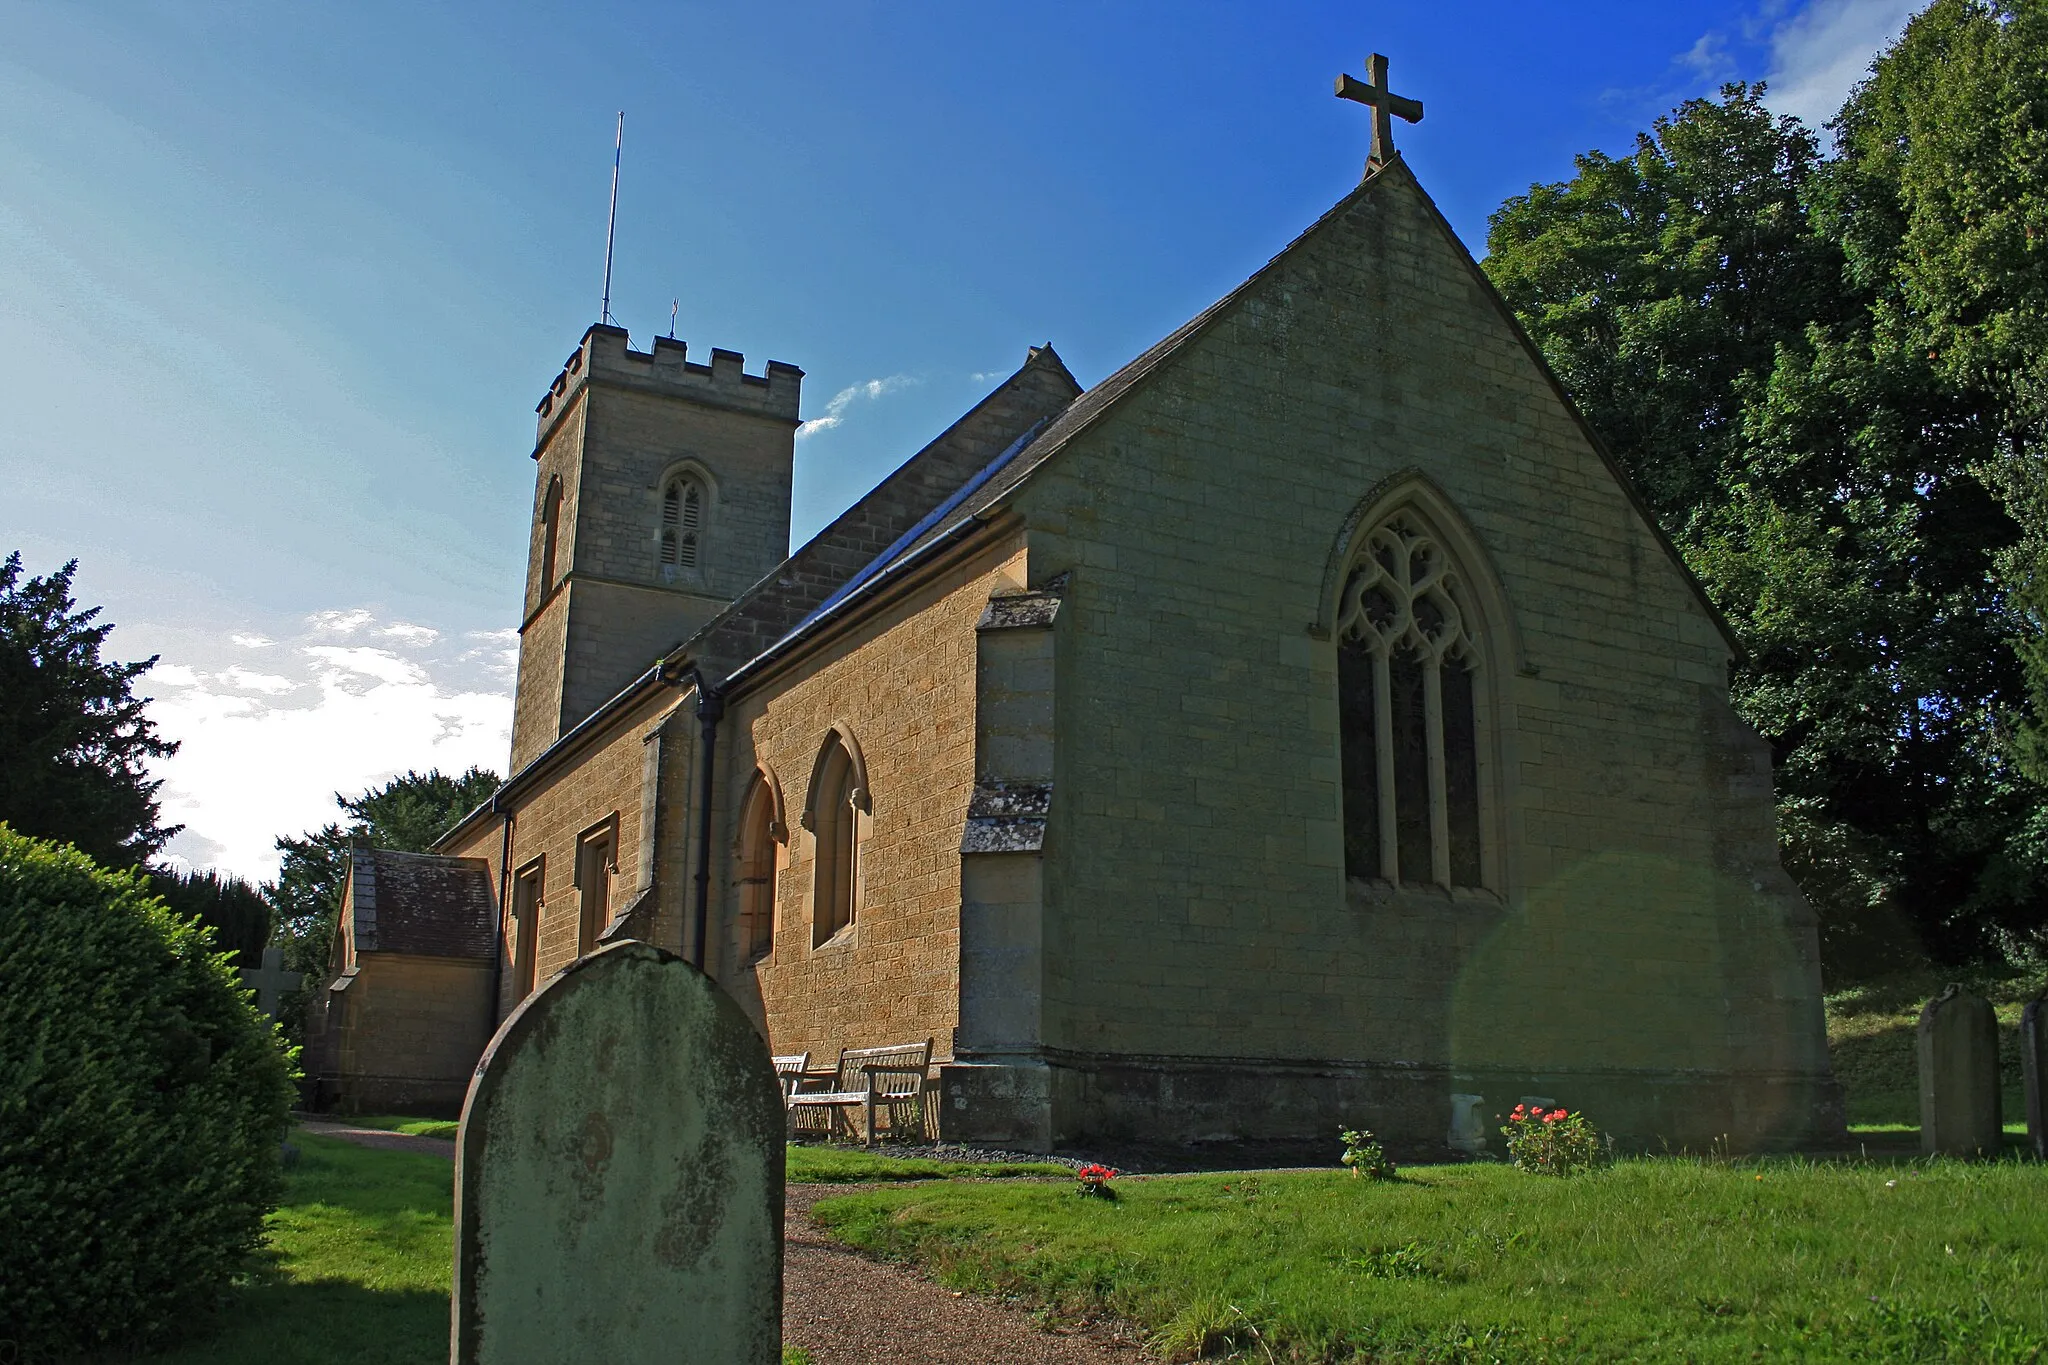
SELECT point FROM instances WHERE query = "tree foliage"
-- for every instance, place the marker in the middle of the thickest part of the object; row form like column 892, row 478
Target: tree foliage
column 407, row 814
column 74, row 742
column 142, row 1103
column 1828, row 377
column 236, row 911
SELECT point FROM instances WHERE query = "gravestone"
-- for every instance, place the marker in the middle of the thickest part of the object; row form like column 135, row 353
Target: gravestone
column 2034, row 1066
column 1468, row 1125
column 1959, row 1075
column 618, row 1177
column 271, row 980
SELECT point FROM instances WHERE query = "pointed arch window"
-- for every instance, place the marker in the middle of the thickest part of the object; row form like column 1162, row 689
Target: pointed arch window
column 836, row 813
column 550, row 531
column 682, row 522
column 760, row 860
column 1409, row 657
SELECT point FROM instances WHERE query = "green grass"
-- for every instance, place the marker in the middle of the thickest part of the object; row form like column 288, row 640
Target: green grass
column 1656, row 1260
column 399, row 1123
column 1872, row 1028
column 360, row 1252
column 357, row 1269
column 835, row 1164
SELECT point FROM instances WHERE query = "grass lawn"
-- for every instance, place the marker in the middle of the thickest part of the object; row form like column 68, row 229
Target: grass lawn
column 358, row 1269
column 399, row 1123
column 361, row 1251
column 1872, row 1032
column 1656, row 1260
column 808, row 1162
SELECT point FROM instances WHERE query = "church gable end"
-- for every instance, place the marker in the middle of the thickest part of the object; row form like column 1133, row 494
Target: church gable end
column 1397, row 705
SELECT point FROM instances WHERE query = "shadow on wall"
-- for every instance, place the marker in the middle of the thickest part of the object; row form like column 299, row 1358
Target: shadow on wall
column 1630, row 963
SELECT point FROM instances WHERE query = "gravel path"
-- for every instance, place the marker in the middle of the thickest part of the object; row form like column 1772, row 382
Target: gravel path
column 848, row 1310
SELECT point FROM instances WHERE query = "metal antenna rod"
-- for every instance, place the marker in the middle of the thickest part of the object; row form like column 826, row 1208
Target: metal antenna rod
column 672, row 305
column 612, row 222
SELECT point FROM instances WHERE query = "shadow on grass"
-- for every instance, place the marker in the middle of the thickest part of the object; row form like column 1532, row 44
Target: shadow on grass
column 278, row 1319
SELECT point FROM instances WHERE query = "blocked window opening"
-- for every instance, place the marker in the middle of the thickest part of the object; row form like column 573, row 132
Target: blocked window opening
column 682, row 522
column 526, row 908
column 596, row 860
column 1407, row 661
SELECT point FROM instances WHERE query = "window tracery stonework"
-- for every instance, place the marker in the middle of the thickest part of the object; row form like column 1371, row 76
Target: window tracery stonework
column 1408, row 655
column 682, row 522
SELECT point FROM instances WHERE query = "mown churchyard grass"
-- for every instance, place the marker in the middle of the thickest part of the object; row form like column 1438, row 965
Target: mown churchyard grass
column 822, row 1164
column 399, row 1123
column 1654, row 1259
column 360, row 1251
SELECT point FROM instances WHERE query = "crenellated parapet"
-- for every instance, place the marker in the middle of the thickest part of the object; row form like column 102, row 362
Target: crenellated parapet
column 605, row 357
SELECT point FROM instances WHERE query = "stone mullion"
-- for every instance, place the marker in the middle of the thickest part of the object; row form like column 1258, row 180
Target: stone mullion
column 1383, row 755
column 1439, row 805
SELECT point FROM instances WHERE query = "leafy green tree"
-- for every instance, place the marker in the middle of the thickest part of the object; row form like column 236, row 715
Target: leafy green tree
column 74, row 742
column 1655, row 282
column 236, row 911
column 407, row 813
column 1743, row 322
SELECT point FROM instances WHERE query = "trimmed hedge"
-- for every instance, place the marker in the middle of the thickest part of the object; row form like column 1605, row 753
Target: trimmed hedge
column 143, row 1100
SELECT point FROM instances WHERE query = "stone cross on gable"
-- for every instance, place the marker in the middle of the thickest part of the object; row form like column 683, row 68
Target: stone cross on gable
column 271, row 980
column 1386, row 106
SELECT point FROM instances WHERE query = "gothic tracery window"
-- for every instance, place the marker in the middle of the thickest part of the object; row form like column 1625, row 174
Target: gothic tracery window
column 1407, row 661
column 682, row 522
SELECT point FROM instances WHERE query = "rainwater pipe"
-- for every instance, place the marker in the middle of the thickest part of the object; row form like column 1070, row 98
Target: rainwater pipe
column 710, row 707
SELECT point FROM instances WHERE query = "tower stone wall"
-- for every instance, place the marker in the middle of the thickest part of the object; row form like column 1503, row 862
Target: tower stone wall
column 616, row 426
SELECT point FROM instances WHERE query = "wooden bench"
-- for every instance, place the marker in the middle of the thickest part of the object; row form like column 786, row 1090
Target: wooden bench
column 890, row 1077
column 790, row 1071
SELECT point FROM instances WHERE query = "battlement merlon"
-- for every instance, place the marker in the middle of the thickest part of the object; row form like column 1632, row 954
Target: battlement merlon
column 603, row 357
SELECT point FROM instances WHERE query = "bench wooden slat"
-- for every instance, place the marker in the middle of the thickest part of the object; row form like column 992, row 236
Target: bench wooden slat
column 867, row 1076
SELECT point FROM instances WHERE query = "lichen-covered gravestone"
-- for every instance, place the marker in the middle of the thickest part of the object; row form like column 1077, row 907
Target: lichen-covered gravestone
column 1959, row 1108
column 2034, row 1066
column 618, row 1179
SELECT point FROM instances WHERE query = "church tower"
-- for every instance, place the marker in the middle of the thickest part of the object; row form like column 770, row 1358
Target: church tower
column 662, row 492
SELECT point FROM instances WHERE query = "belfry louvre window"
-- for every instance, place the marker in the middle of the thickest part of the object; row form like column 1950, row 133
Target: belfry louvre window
column 1407, row 661
column 682, row 523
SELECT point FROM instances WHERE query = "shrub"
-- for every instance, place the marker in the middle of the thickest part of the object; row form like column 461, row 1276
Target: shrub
column 1552, row 1142
column 143, row 1101
column 1364, row 1154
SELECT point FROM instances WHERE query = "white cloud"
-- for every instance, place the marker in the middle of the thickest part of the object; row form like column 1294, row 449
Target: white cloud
column 244, row 680
column 339, row 622
column 252, row 641
column 363, row 661
column 835, row 411
column 262, row 754
column 983, row 376
column 1825, row 49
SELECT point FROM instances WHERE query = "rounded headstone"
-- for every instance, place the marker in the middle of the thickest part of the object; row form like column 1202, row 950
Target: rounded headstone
column 618, row 1187
column 1959, row 1092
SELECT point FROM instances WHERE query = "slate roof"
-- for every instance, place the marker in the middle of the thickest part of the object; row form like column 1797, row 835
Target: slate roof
column 798, row 587
column 421, row 904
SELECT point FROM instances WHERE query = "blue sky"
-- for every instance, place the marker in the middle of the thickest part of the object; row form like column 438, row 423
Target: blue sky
column 280, row 285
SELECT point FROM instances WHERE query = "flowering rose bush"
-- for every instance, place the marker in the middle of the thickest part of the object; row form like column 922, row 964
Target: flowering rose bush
column 1551, row 1142
column 1364, row 1155
column 1095, row 1179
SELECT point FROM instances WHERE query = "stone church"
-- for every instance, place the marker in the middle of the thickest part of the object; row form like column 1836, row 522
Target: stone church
column 1303, row 725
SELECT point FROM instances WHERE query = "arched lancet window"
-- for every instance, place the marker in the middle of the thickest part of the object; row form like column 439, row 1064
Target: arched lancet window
column 836, row 815
column 759, row 862
column 1408, row 659
column 550, row 531
column 682, row 522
